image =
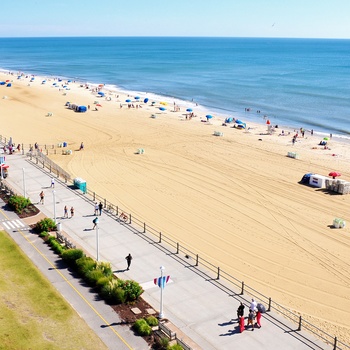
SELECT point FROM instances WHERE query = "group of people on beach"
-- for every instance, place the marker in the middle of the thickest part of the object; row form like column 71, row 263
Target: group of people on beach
column 254, row 316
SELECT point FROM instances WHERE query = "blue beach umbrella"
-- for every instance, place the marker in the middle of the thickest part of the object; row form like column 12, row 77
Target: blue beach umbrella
column 101, row 93
column 128, row 100
column 189, row 110
column 54, row 84
column 69, row 81
column 239, row 121
column 162, row 108
column 145, row 100
column 209, row 116
column 137, row 97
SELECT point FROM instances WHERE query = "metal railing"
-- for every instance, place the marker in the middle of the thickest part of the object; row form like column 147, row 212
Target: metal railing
column 158, row 237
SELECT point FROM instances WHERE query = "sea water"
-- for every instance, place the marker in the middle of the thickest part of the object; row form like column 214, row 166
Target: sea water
column 294, row 82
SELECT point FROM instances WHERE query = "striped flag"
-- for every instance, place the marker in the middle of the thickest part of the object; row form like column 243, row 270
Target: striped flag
column 161, row 281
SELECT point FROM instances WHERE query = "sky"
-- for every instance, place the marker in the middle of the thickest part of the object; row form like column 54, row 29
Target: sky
column 208, row 18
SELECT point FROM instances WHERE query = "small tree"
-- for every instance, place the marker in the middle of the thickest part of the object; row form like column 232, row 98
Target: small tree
column 46, row 224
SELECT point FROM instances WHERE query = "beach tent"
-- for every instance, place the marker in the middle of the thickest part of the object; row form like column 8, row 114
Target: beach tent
column 101, row 93
column 2, row 83
column 229, row 120
column 81, row 109
column 241, row 126
column 9, row 85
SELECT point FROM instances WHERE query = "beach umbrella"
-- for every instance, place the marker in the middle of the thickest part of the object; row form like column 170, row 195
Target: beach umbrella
column 162, row 108
column 69, row 81
column 209, row 116
column 137, row 97
column 163, row 103
column 326, row 138
column 268, row 122
column 98, row 105
column 334, row 174
column 101, row 93
column 145, row 100
column 239, row 121
column 189, row 110
column 128, row 100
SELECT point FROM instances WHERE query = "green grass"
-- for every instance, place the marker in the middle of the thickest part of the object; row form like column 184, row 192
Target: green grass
column 33, row 315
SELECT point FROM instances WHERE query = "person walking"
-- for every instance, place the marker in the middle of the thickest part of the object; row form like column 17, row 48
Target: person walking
column 251, row 317
column 95, row 222
column 100, row 207
column 128, row 259
column 52, row 182
column 258, row 318
column 71, row 212
column 240, row 310
column 42, row 196
column 65, row 212
column 96, row 208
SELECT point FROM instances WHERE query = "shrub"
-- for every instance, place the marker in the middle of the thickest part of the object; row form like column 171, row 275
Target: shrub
column 85, row 264
column 43, row 234
column 46, row 224
column 132, row 289
column 18, row 203
column 112, row 293
column 175, row 347
column 152, row 321
column 92, row 276
column 106, row 268
column 72, row 255
column 56, row 246
column 102, row 282
column 163, row 343
column 142, row 327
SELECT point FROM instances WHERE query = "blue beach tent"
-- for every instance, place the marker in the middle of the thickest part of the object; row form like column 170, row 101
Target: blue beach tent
column 82, row 109
column 2, row 83
column 9, row 85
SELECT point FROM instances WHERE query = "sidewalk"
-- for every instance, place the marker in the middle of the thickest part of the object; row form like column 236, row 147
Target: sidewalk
column 199, row 309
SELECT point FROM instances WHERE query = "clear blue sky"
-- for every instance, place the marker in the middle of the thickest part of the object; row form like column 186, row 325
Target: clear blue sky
column 232, row 18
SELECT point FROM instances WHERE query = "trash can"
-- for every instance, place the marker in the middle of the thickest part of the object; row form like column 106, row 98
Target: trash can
column 59, row 227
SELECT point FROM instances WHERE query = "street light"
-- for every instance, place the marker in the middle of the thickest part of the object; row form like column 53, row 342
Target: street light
column 24, row 183
column 97, row 239
column 161, row 314
column 54, row 205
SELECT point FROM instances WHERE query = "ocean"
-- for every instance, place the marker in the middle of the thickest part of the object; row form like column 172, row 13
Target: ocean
column 294, row 82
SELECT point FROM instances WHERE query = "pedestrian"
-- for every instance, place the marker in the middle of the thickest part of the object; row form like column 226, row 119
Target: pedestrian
column 312, row 132
column 240, row 310
column 96, row 209
column 71, row 212
column 81, row 148
column 251, row 317
column 42, row 196
column 100, row 207
column 253, row 305
column 128, row 260
column 65, row 211
column 52, row 182
column 95, row 222
column 258, row 318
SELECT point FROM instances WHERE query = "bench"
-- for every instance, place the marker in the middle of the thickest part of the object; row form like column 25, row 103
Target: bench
column 169, row 333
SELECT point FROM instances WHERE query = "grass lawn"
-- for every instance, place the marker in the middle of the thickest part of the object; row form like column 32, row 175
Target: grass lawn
column 33, row 315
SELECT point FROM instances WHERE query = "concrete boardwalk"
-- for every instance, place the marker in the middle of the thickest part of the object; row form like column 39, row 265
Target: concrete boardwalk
column 203, row 313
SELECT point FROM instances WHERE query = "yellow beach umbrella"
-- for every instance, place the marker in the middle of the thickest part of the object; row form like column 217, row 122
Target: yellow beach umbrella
column 163, row 103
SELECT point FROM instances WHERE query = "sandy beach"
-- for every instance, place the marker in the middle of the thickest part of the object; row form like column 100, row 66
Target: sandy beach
column 233, row 199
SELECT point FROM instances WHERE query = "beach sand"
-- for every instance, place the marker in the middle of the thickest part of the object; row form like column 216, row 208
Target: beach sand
column 235, row 200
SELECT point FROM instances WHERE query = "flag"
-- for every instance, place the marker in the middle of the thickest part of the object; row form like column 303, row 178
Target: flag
column 161, row 281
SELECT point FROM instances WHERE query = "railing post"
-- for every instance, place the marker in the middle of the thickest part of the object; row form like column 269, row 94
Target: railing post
column 94, row 197
column 105, row 203
column 269, row 307
column 299, row 327
column 22, row 149
column 218, row 277
column 144, row 227
column 65, row 179
column 117, row 211
column 197, row 257
column 335, row 343
column 160, row 237
column 47, row 152
column 177, row 248
column 242, row 290
column 129, row 218
column 50, row 168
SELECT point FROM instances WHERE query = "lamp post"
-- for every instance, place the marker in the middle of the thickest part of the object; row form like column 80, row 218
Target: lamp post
column 24, row 183
column 161, row 313
column 54, row 205
column 97, row 240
